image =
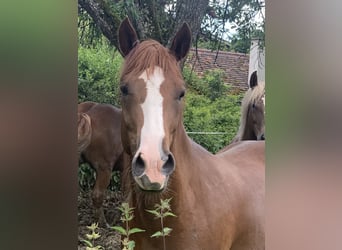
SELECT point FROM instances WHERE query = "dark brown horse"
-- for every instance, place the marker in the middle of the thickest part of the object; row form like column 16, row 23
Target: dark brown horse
column 99, row 144
column 218, row 199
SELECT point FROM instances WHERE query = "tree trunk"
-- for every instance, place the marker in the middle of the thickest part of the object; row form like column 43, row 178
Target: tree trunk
column 108, row 23
column 192, row 12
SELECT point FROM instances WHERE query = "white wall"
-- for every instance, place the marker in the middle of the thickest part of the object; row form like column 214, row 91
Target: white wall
column 256, row 61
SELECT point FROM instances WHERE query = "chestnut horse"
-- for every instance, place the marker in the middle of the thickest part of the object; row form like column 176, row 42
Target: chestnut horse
column 218, row 199
column 99, row 144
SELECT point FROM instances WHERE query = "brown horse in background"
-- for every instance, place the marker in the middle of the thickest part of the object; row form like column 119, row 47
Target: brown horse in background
column 99, row 144
column 218, row 199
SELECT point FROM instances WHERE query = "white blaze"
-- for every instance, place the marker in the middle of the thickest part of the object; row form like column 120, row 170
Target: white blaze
column 152, row 132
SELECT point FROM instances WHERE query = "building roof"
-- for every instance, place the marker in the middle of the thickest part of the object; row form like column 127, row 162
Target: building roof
column 235, row 65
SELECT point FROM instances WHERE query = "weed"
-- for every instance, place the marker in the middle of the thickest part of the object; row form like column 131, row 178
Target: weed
column 162, row 211
column 92, row 237
column 126, row 216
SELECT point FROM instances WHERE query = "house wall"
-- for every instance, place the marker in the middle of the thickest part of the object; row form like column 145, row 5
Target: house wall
column 256, row 61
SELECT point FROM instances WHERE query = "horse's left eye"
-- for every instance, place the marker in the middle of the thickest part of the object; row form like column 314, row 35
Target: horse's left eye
column 253, row 105
column 124, row 90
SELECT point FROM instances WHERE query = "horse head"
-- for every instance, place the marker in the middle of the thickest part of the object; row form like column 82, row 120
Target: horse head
column 152, row 91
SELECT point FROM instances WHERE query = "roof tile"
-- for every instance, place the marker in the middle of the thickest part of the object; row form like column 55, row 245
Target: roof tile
column 235, row 65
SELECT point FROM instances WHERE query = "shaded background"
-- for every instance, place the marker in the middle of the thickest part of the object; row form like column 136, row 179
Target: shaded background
column 38, row 100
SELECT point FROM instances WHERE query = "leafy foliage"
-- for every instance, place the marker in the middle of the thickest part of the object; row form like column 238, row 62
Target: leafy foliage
column 210, row 108
column 98, row 74
column 87, row 177
column 88, row 33
column 212, row 22
column 216, row 34
column 241, row 42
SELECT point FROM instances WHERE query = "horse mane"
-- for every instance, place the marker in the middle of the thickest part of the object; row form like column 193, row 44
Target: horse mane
column 251, row 95
column 148, row 54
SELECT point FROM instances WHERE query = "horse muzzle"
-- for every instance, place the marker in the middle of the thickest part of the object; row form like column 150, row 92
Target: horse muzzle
column 145, row 184
column 152, row 174
column 261, row 137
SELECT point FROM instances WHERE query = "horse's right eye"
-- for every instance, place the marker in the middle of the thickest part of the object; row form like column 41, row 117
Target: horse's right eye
column 181, row 95
column 124, row 90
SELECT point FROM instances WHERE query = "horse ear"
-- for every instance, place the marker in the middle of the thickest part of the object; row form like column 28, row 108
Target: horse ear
column 128, row 38
column 181, row 42
column 253, row 81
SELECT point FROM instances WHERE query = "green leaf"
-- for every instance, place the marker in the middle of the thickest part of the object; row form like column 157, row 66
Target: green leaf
column 169, row 214
column 96, row 236
column 135, row 230
column 93, row 226
column 165, row 204
column 94, row 248
column 89, row 244
column 130, row 217
column 154, row 212
column 93, row 236
column 121, row 230
column 157, row 234
column 89, row 236
column 167, row 230
column 131, row 245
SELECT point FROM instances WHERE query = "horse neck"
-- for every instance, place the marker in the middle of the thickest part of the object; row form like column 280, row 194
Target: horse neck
column 248, row 134
column 189, row 159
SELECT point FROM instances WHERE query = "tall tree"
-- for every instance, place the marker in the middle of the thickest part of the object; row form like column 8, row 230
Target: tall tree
column 241, row 15
column 157, row 19
column 102, row 15
column 192, row 12
column 160, row 19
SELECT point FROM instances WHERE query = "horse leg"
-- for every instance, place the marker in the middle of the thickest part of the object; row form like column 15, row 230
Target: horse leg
column 103, row 176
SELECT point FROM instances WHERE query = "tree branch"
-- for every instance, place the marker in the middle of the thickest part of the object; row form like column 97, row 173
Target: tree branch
column 108, row 23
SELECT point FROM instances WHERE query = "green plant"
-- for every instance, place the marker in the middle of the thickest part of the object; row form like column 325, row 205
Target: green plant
column 162, row 211
column 220, row 116
column 86, row 176
column 98, row 74
column 216, row 87
column 92, row 237
column 126, row 216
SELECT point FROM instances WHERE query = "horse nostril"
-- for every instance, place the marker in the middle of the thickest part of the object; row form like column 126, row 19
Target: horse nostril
column 169, row 165
column 138, row 166
column 263, row 137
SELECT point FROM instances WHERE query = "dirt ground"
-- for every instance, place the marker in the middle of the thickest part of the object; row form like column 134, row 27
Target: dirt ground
column 109, row 240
